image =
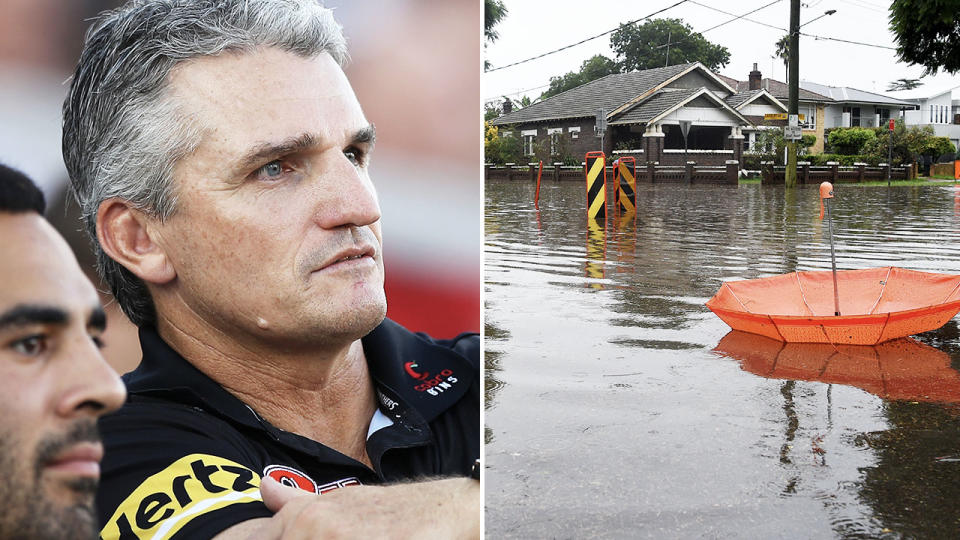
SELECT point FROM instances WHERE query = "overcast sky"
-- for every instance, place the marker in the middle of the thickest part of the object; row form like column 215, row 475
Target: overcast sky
column 533, row 27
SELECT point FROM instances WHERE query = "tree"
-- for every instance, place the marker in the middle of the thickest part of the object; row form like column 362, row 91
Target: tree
column 491, row 110
column 903, row 84
column 783, row 52
column 493, row 12
column 927, row 33
column 591, row 69
column 501, row 149
column 646, row 46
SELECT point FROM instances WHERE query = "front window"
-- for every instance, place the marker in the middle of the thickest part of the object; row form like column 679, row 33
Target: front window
column 554, row 134
column 529, row 136
column 809, row 117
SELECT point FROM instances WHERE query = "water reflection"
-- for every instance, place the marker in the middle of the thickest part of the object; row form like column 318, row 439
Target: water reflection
column 903, row 369
column 610, row 414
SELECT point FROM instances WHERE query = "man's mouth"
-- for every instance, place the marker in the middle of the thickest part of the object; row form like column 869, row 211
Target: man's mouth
column 81, row 459
column 350, row 258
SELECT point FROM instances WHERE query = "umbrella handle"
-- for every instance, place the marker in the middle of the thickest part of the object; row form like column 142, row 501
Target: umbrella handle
column 826, row 192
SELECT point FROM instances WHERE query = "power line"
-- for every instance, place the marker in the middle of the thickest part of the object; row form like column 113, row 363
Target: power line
column 587, row 39
column 814, row 36
column 518, row 92
column 735, row 17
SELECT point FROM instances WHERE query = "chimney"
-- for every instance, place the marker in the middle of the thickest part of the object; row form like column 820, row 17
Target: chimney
column 507, row 106
column 755, row 78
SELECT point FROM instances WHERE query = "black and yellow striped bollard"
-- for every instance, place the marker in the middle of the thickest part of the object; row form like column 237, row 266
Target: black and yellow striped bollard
column 625, row 178
column 596, row 171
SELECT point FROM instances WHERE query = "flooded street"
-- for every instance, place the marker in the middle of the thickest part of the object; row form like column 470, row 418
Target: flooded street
column 618, row 405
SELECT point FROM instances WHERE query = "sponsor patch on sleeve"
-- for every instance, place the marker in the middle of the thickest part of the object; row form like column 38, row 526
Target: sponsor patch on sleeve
column 192, row 486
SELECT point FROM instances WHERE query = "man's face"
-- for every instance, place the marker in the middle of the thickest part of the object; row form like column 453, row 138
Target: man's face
column 53, row 385
column 277, row 232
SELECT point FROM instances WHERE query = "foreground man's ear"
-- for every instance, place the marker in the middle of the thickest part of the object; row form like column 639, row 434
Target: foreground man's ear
column 127, row 236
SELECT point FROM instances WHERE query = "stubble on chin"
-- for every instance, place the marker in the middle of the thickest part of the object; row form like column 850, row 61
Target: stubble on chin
column 28, row 510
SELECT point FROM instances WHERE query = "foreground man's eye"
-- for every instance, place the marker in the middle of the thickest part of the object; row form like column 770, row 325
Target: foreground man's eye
column 31, row 345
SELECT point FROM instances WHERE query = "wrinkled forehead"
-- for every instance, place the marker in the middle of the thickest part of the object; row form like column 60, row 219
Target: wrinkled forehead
column 243, row 98
column 37, row 266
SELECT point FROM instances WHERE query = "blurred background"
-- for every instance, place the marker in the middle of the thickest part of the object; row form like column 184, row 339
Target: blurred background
column 416, row 70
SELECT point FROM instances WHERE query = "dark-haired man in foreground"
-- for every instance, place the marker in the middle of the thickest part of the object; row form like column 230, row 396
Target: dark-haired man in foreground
column 53, row 381
column 219, row 156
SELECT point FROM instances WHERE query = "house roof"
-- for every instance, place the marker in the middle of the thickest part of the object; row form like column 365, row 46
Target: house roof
column 743, row 98
column 926, row 91
column 611, row 92
column 668, row 100
column 661, row 102
column 781, row 90
column 847, row 94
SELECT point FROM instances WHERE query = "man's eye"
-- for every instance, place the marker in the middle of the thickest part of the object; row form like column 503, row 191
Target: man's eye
column 355, row 156
column 271, row 170
column 31, row 345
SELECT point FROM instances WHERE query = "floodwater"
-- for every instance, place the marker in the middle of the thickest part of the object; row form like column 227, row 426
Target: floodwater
column 618, row 406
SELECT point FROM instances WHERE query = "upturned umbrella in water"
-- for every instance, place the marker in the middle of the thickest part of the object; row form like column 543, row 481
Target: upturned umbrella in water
column 856, row 307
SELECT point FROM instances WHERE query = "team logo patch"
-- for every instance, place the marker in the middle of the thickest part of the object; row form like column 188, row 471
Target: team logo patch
column 439, row 384
column 192, row 486
column 409, row 367
column 289, row 476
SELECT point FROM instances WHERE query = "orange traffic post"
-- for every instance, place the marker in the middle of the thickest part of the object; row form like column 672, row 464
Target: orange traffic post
column 536, row 198
column 826, row 193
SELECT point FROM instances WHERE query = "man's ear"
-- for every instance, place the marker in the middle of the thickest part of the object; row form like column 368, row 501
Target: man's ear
column 126, row 235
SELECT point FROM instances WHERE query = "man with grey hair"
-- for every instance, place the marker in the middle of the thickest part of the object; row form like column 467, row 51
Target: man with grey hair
column 219, row 156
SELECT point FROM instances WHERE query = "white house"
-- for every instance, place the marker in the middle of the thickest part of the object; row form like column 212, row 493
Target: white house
column 937, row 108
column 856, row 108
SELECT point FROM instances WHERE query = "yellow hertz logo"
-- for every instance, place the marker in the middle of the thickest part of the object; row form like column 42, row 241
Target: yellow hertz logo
column 191, row 486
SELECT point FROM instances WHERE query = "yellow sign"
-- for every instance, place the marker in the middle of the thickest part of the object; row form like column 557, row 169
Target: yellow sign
column 781, row 116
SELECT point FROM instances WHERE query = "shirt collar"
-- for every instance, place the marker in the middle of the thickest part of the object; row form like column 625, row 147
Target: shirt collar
column 412, row 368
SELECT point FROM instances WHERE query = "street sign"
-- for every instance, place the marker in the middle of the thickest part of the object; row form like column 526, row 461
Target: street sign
column 792, row 133
column 792, row 120
column 892, row 121
column 782, row 116
column 685, row 127
column 601, row 120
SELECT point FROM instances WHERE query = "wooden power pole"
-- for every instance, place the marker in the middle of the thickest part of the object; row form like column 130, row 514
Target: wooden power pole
column 794, row 84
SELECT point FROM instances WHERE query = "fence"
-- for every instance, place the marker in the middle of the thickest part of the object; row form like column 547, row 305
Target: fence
column 650, row 173
column 833, row 173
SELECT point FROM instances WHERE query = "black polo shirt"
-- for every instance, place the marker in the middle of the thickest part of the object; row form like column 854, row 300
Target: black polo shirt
column 184, row 457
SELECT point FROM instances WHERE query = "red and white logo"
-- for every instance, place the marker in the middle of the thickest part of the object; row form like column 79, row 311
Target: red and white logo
column 439, row 384
column 289, row 476
column 413, row 373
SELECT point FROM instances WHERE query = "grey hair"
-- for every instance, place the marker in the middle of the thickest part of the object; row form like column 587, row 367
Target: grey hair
column 123, row 132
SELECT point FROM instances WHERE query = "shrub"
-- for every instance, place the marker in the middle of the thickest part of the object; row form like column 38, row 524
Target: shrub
column 850, row 141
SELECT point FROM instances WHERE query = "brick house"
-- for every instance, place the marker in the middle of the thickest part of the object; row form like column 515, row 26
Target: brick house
column 643, row 114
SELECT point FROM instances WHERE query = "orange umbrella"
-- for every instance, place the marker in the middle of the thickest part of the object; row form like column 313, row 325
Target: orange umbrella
column 902, row 369
column 878, row 304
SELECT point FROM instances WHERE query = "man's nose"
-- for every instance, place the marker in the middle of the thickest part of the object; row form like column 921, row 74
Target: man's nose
column 346, row 196
column 89, row 385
